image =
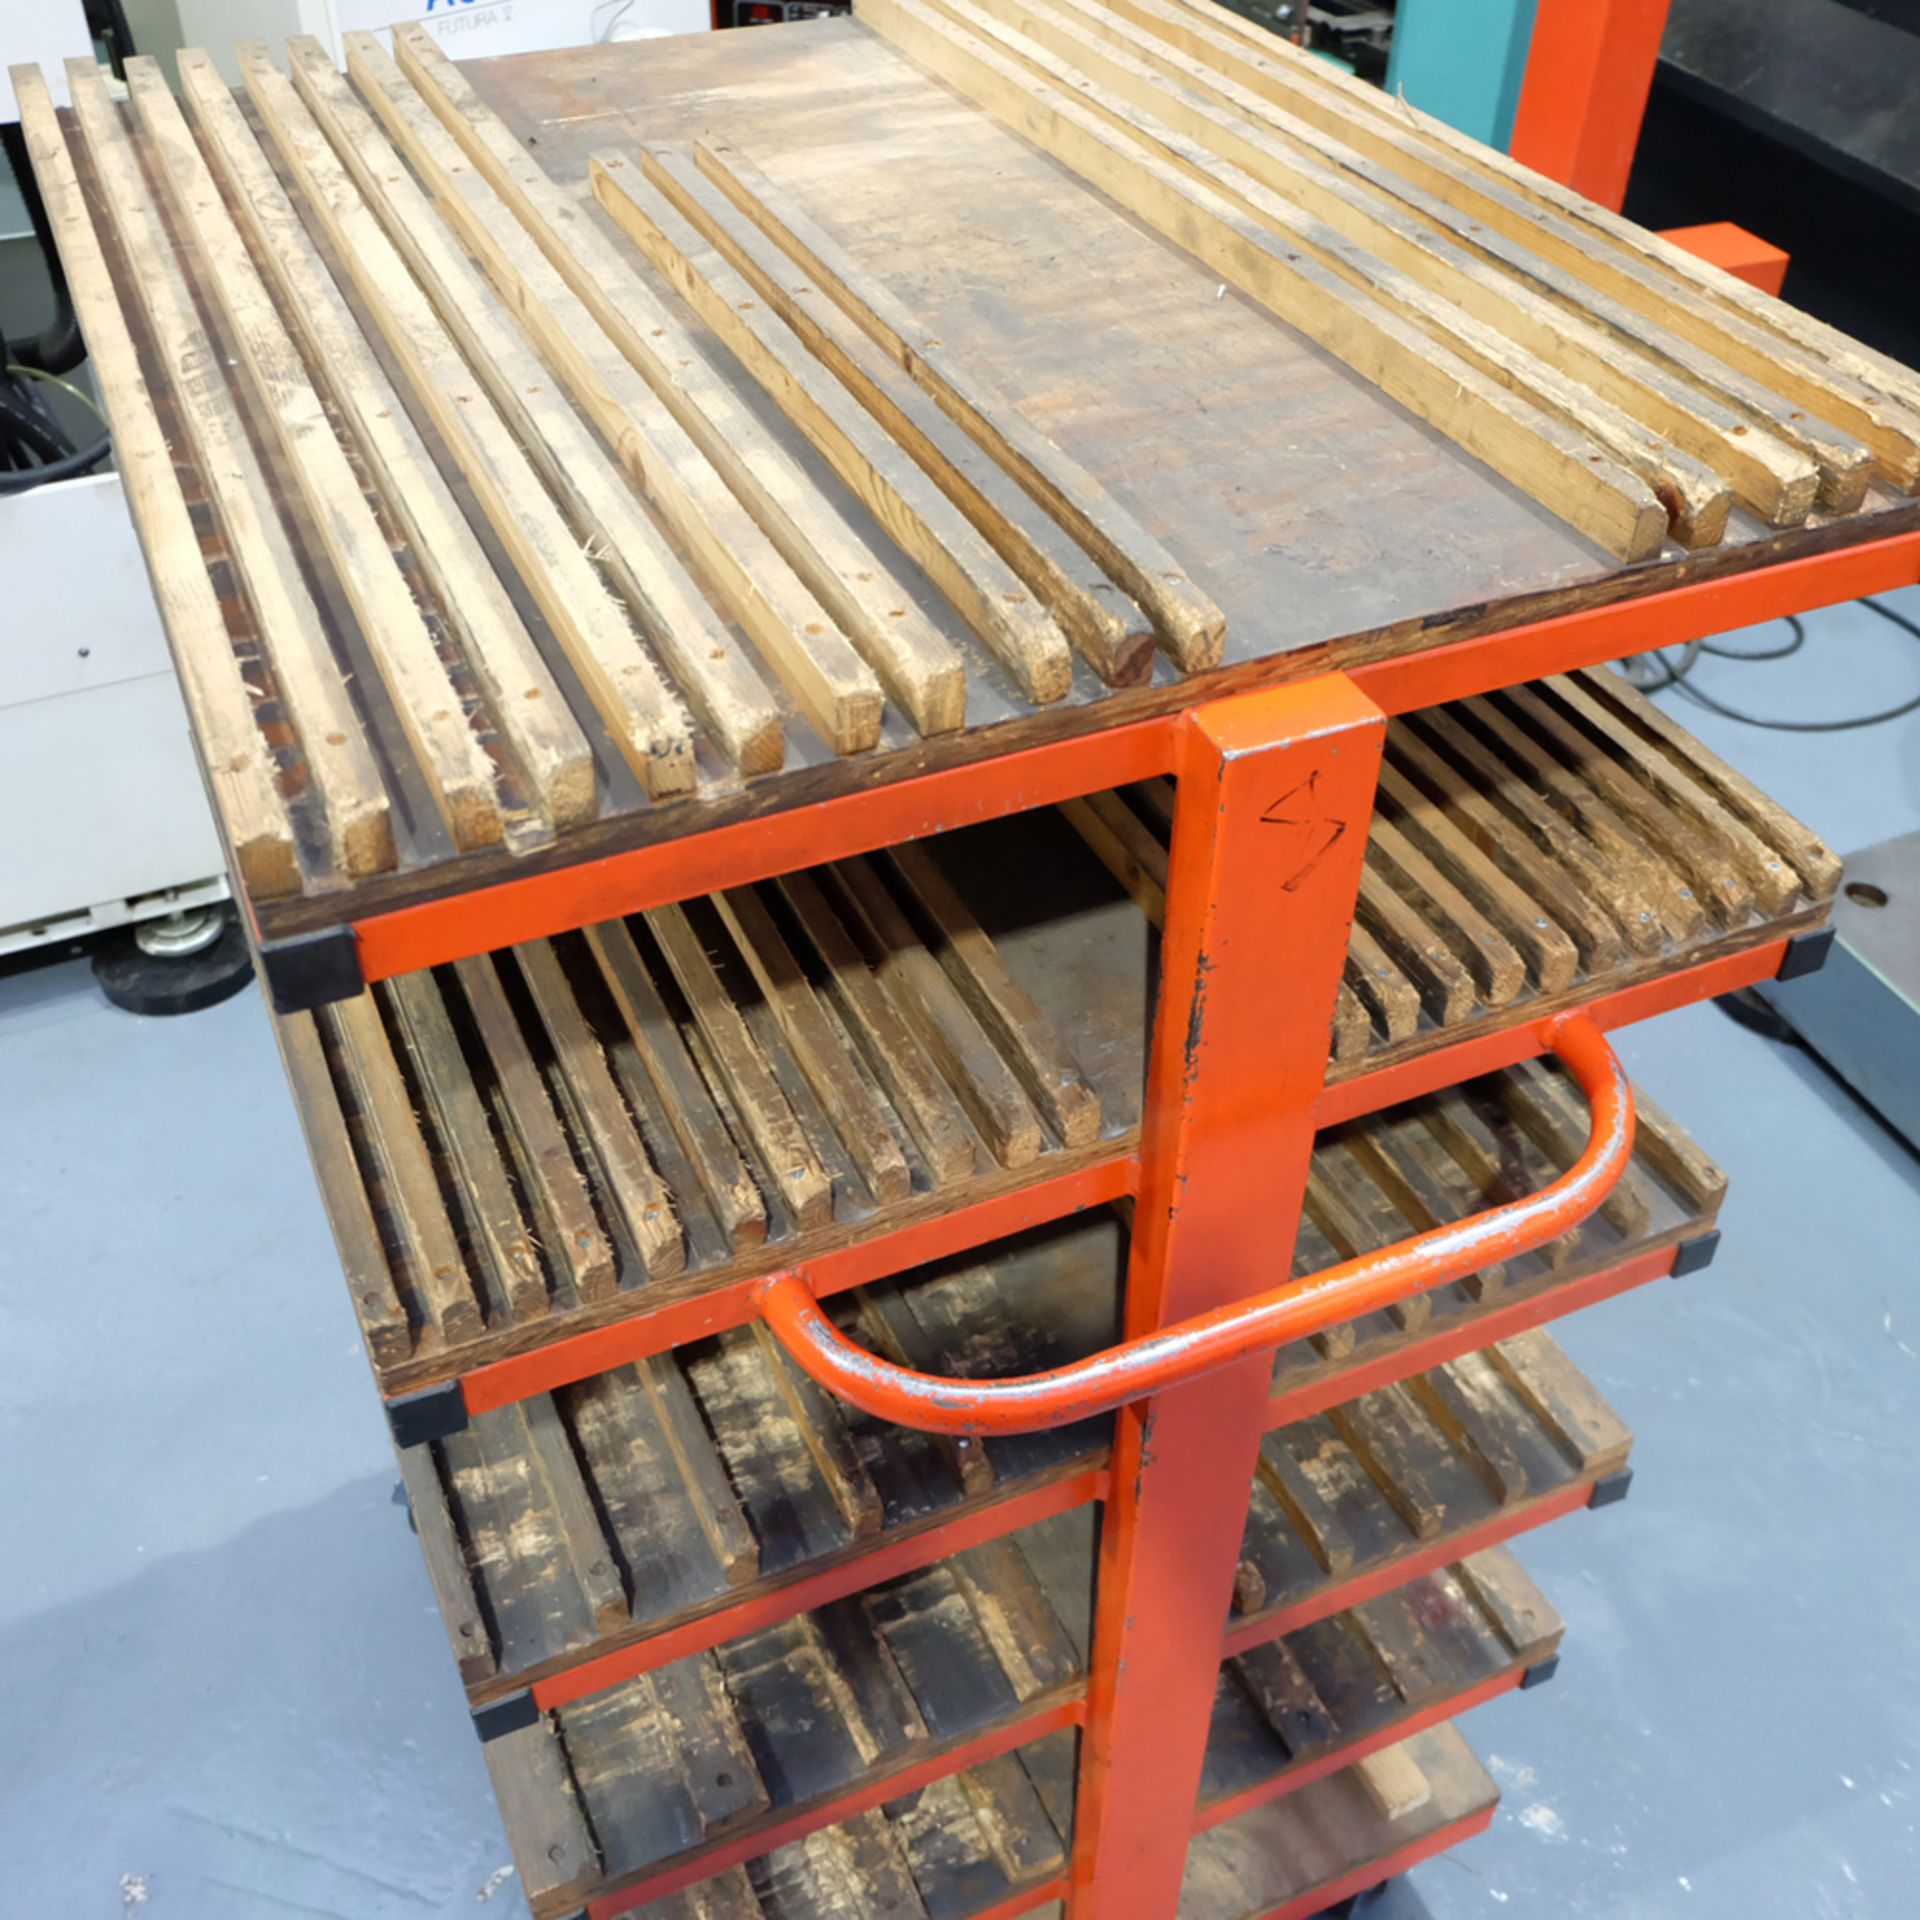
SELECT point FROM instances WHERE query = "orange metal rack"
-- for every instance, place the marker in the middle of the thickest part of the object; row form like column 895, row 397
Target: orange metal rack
column 1275, row 788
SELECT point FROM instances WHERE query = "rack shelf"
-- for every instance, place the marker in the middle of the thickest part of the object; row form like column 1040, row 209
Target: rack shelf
column 1296, row 1709
column 572, row 656
column 941, row 1044
column 666, row 1506
column 786, row 1730
column 804, row 1720
column 982, row 1845
column 1294, row 1857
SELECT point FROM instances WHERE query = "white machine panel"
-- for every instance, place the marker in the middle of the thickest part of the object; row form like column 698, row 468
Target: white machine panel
column 43, row 34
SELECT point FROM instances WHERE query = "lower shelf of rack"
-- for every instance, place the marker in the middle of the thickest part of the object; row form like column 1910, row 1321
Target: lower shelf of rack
column 1366, row 1549
column 582, row 1537
column 993, row 1843
column 1294, row 1857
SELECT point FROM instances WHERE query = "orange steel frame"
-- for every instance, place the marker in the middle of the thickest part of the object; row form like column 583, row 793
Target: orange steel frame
column 1275, row 791
column 426, row 934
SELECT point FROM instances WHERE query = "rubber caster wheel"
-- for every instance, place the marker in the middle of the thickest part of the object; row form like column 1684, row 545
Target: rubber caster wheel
column 179, row 964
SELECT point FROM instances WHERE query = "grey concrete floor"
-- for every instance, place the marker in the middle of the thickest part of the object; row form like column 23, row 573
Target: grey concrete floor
column 224, row 1693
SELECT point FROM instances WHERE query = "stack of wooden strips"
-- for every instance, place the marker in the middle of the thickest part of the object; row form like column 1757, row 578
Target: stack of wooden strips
column 969, row 1843
column 714, row 1087
column 718, row 1745
column 463, row 531
column 986, row 1842
column 1528, row 849
column 1353, row 1619
column 1635, row 391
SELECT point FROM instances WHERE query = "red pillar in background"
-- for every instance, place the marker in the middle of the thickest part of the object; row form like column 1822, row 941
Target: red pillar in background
column 1588, row 77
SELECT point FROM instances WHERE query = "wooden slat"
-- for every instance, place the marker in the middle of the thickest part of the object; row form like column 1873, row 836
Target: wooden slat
column 860, row 587
column 692, row 1448
column 917, row 516
column 1775, row 884
column 440, row 1071
column 1550, row 955
column 822, row 1055
column 886, row 1313
column 454, row 765
column 1096, row 617
column 1557, row 1394
column 1519, row 1612
column 1566, row 788
column 800, row 1181
column 569, row 1504
column 643, row 717
column 549, row 1175
column 1191, row 626
column 630, row 1182
column 1442, row 980
column 1549, row 1111
column 984, row 1083
column 885, row 1039
column 428, row 1254
column 1386, row 1441
column 1671, row 1152
column 796, row 636
column 1818, row 864
column 526, row 703
column 1359, row 1218
column 1472, row 818
column 1384, row 255
column 238, row 764
column 1735, row 427
column 1454, row 1412
column 827, row 1440
column 699, row 651
column 1497, row 970
column 1439, row 160
column 540, row 1806
column 447, row 1569
column 332, row 742
column 1307, row 1512
column 1392, row 997
column 1392, row 1779
column 1549, row 461
column 1125, row 846
column 1002, row 1006
column 683, row 1096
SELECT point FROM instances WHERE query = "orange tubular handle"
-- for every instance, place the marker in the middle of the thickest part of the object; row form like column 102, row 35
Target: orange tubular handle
column 1191, row 1348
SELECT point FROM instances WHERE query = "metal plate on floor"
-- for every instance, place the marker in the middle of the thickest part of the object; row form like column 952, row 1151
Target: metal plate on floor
column 1861, row 1012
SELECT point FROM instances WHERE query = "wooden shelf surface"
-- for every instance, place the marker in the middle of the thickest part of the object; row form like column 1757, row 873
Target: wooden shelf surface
column 788, row 1727
column 555, row 1149
column 657, row 1509
column 428, row 783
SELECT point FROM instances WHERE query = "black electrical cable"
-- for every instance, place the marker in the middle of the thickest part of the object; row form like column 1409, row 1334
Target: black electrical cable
column 58, row 347
column 30, row 428
column 1677, row 679
column 62, row 469
column 1792, row 647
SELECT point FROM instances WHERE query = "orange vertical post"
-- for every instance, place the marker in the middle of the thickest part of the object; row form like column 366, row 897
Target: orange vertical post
column 1275, row 796
column 1589, row 72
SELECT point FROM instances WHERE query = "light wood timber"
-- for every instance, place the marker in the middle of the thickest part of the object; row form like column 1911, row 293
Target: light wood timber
column 796, row 636
column 238, row 763
column 917, row 664
column 1190, row 625
column 1096, row 617
column 451, row 759
column 917, row 516
column 1547, row 460
column 332, row 740
column 526, row 703
column 645, row 720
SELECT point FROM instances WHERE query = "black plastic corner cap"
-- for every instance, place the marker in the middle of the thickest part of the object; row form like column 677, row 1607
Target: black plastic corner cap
column 1611, row 1490
column 427, row 1414
column 308, row 970
column 1695, row 1255
column 511, row 1713
column 1538, row 1676
column 1806, row 953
